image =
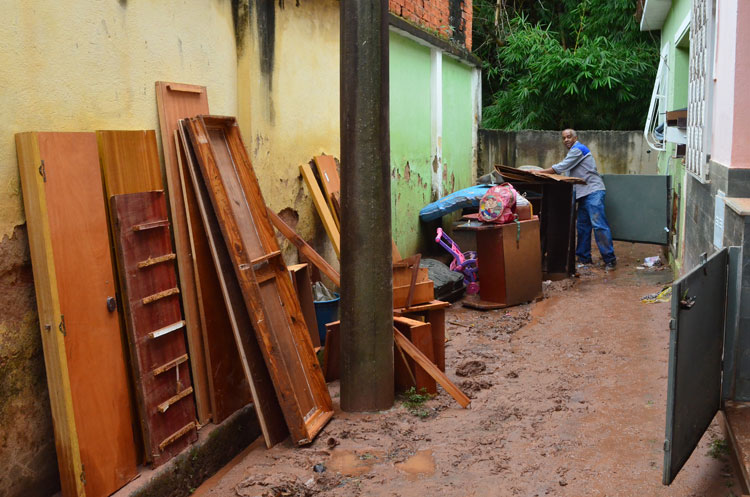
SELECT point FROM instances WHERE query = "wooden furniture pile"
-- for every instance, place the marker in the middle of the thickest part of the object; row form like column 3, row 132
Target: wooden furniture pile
column 418, row 319
column 164, row 301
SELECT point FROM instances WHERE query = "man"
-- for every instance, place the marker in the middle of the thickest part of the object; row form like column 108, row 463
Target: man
column 589, row 198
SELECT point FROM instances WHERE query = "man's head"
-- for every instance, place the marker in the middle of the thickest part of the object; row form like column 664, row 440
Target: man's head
column 569, row 137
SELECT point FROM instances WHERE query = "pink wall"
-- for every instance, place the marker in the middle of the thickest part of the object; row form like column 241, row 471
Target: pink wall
column 723, row 91
column 741, row 128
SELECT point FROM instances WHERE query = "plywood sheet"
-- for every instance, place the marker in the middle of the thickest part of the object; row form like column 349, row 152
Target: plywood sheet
column 84, row 357
column 267, row 290
column 266, row 404
column 230, row 389
column 154, row 323
column 176, row 101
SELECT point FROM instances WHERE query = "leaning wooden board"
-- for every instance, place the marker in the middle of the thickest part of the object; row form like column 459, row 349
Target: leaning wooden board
column 130, row 164
column 154, row 323
column 329, row 177
column 267, row 407
column 262, row 274
column 324, row 211
column 83, row 353
column 176, row 101
column 230, row 389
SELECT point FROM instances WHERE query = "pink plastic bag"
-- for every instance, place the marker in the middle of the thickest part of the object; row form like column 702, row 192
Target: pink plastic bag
column 498, row 205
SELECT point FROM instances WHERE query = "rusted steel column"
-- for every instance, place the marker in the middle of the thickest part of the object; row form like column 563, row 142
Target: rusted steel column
column 366, row 290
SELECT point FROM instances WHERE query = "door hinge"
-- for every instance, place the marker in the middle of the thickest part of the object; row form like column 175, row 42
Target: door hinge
column 671, row 324
column 667, row 446
column 61, row 326
column 43, row 171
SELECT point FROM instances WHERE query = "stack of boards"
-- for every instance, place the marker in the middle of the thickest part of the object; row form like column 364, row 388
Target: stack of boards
column 175, row 292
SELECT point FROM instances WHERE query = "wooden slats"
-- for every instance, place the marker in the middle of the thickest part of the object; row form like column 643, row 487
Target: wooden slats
column 166, row 367
column 175, row 101
column 161, row 223
column 67, row 230
column 160, row 295
column 146, row 309
column 167, row 329
column 329, row 177
column 156, row 260
column 162, row 408
column 176, row 435
column 254, row 368
column 248, row 234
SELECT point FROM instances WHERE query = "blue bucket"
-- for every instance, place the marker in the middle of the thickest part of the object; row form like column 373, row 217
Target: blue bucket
column 326, row 311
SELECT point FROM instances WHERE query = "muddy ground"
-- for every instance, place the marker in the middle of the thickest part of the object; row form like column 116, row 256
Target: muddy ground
column 568, row 398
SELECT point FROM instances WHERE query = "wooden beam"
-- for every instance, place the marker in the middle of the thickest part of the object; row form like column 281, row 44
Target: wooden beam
column 309, row 252
column 431, row 369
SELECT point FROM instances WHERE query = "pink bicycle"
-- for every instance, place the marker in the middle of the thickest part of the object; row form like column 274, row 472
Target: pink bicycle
column 465, row 263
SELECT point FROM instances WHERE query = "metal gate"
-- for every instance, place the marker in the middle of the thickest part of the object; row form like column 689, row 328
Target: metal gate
column 696, row 349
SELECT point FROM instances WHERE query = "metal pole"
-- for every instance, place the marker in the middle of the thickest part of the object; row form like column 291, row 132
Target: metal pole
column 366, row 273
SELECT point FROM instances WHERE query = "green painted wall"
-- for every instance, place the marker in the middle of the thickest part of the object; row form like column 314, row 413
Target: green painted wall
column 458, row 119
column 678, row 60
column 410, row 139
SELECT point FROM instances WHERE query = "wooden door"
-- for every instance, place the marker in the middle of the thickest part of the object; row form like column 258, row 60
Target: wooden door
column 75, row 289
column 154, row 323
column 267, row 290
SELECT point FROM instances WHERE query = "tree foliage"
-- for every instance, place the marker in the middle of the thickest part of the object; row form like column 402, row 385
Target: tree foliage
column 554, row 64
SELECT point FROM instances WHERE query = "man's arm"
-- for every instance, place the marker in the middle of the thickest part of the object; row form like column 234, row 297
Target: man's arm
column 569, row 162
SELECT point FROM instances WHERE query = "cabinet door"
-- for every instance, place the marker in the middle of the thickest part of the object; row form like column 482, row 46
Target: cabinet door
column 695, row 359
column 637, row 207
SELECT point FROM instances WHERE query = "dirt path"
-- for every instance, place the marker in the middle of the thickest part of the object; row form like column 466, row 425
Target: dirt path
column 568, row 399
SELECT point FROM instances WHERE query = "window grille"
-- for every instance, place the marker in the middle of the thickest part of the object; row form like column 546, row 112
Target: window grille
column 699, row 88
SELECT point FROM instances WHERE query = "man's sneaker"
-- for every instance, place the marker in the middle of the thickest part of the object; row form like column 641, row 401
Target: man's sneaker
column 582, row 262
column 610, row 266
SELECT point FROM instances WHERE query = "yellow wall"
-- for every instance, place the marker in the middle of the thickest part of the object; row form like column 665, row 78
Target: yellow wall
column 81, row 66
column 87, row 65
column 290, row 112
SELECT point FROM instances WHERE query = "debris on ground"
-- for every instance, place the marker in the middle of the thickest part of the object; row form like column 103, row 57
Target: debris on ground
column 665, row 295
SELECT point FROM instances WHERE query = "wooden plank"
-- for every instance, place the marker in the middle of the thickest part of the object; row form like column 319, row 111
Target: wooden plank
column 229, row 386
column 150, row 302
column 248, row 235
column 63, row 202
column 332, row 351
column 176, row 101
column 267, row 407
column 329, row 177
column 156, row 260
column 306, row 250
column 169, row 365
column 420, row 334
column 300, row 274
column 322, row 207
column 129, row 161
column 431, row 369
column 424, row 291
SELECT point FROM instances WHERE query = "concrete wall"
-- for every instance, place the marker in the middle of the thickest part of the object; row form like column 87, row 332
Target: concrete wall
column 80, row 66
column 288, row 82
column 434, row 118
column 616, row 152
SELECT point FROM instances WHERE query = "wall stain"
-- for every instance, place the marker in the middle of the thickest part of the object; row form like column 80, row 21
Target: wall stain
column 241, row 21
column 407, row 172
